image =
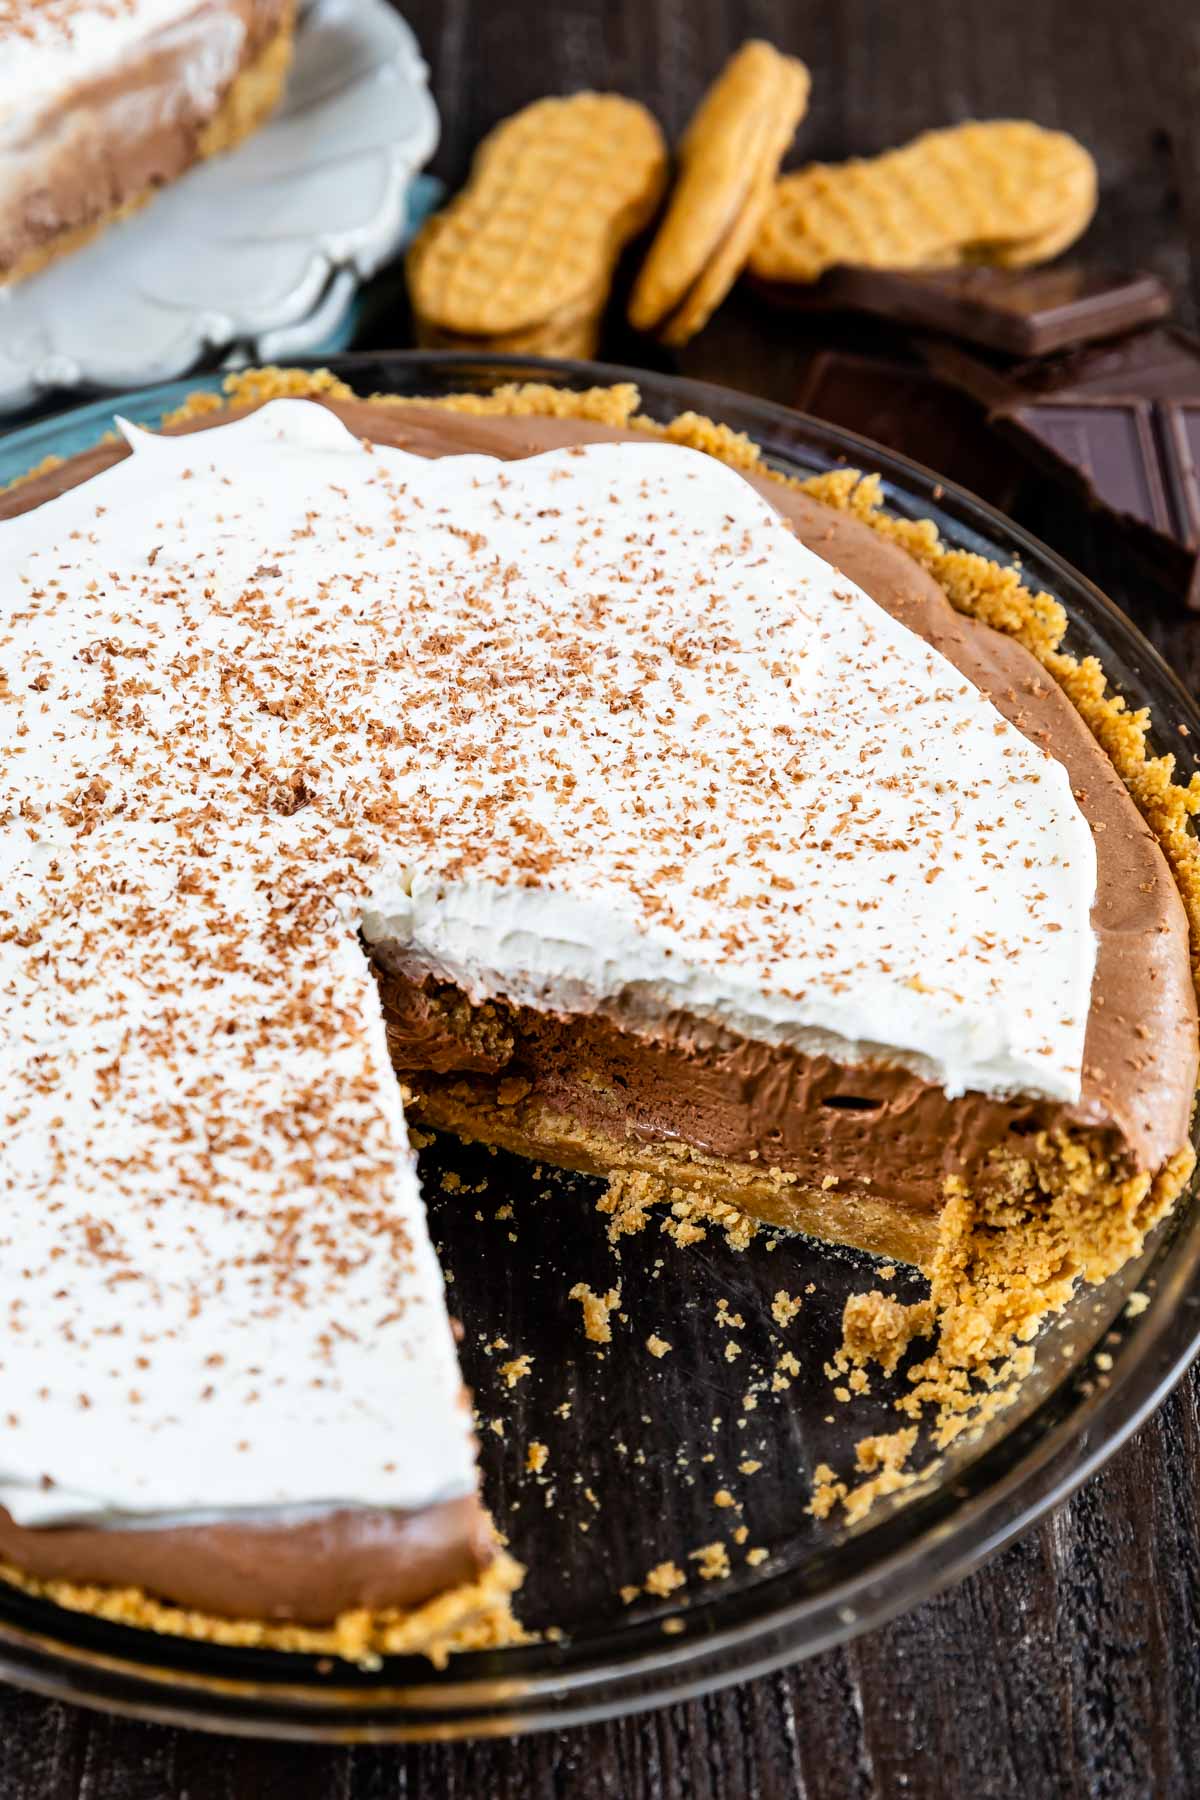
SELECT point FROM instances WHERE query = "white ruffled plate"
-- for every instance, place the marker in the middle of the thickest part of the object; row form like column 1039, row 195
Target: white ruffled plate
column 245, row 248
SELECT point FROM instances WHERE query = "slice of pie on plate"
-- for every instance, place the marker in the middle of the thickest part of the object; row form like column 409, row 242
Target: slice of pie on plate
column 102, row 105
column 650, row 815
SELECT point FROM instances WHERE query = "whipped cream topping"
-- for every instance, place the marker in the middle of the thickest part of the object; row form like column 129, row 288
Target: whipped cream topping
column 588, row 730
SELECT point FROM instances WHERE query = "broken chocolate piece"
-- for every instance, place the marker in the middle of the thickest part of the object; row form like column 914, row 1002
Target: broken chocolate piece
column 905, row 408
column 1022, row 312
column 1120, row 425
column 1137, row 456
column 1161, row 364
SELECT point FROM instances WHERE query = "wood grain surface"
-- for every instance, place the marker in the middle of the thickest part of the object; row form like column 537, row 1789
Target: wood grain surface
column 1071, row 1665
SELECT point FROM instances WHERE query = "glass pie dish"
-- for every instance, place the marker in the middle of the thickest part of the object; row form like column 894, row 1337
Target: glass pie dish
column 606, row 1462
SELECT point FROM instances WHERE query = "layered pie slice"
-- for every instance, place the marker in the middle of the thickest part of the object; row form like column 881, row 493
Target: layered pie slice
column 101, row 105
column 648, row 815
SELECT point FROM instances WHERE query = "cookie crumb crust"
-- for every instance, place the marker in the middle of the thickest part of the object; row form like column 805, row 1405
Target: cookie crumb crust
column 475, row 1616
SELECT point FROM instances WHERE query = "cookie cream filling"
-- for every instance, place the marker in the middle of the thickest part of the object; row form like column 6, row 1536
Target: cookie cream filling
column 588, row 730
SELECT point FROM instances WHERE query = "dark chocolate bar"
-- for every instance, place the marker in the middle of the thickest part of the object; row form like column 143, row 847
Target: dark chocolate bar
column 903, row 407
column 1120, row 424
column 1021, row 312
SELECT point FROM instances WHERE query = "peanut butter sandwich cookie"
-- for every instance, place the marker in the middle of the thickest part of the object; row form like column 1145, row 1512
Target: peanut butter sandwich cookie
column 1004, row 192
column 522, row 259
column 728, row 162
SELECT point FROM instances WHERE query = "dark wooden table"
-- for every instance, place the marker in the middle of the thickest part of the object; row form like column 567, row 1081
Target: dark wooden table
column 1071, row 1665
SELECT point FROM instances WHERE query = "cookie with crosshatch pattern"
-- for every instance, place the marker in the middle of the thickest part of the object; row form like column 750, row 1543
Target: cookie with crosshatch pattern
column 555, row 193
column 573, row 331
column 1000, row 191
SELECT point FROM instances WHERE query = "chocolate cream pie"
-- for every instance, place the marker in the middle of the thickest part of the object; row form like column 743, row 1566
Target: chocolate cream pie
column 648, row 814
column 101, row 104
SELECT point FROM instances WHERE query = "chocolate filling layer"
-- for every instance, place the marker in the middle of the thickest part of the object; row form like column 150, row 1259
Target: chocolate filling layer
column 688, row 1082
column 309, row 1572
column 878, row 1127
